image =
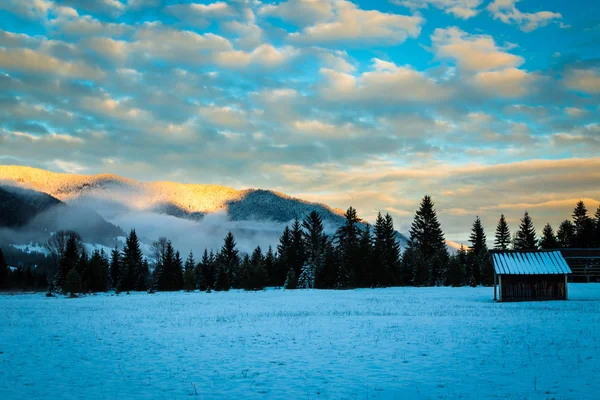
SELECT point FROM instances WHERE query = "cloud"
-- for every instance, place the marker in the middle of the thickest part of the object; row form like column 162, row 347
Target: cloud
column 472, row 52
column 509, row 82
column 265, row 55
column 35, row 9
column 583, row 80
column 507, row 12
column 463, row 9
column 26, row 60
column 385, row 82
column 200, row 15
column 300, row 12
column 350, row 25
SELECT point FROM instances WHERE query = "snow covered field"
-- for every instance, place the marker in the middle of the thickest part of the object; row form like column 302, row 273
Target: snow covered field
column 399, row 343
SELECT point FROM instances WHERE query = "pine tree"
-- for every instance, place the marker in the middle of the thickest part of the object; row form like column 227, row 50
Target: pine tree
column 597, row 228
column 68, row 262
column 503, row 239
column 291, row 281
column 258, row 273
column 178, row 271
column 143, row 277
column 456, row 269
column 131, row 263
column 297, row 256
column 427, row 253
column 314, row 247
column 202, row 280
column 189, row 276
column 478, row 253
column 364, row 270
column 72, row 283
column 115, row 268
column 566, row 234
column 284, row 250
column 228, row 262
column 271, row 267
column 347, row 238
column 584, row 226
column 548, row 240
column 526, row 237
column 97, row 272
column 326, row 276
column 4, row 271
column 386, row 257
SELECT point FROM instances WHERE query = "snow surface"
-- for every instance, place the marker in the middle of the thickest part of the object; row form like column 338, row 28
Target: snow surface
column 399, row 343
column 31, row 248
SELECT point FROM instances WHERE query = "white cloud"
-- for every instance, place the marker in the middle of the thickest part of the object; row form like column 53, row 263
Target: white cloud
column 300, row 12
column 200, row 15
column 264, row 55
column 385, row 82
column 507, row 12
column 34, row 9
column 472, row 52
column 463, row 9
column 26, row 60
column 349, row 24
column 583, row 80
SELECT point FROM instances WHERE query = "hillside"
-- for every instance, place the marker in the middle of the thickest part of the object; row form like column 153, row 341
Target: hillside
column 29, row 215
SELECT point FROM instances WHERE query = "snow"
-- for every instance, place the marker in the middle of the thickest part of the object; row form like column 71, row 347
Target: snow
column 403, row 343
column 31, row 248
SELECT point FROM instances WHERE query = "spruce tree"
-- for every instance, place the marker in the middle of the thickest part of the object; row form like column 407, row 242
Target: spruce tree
column 347, row 240
column 597, row 228
column 258, row 273
column 326, row 277
column 503, row 239
column 271, row 267
column 314, row 247
column 131, row 263
column 364, row 272
column 584, row 226
column 526, row 237
column 189, row 275
column 566, row 234
column 478, row 254
column 115, row 268
column 427, row 252
column 228, row 262
column 456, row 269
column 203, row 278
column 297, row 256
column 548, row 240
column 178, row 272
column 68, row 262
column 72, row 283
column 284, row 250
column 4, row 271
column 386, row 254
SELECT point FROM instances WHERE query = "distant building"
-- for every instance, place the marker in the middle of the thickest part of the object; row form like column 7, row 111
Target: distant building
column 530, row 275
column 585, row 264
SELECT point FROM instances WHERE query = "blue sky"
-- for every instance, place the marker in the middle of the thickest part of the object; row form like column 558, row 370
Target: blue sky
column 489, row 106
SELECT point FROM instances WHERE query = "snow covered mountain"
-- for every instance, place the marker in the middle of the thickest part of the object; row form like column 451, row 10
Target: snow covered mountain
column 28, row 215
column 258, row 214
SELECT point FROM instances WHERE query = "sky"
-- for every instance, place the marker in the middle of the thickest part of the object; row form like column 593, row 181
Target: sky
column 490, row 107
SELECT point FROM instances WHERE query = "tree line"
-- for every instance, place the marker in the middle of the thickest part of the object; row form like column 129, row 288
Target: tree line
column 357, row 255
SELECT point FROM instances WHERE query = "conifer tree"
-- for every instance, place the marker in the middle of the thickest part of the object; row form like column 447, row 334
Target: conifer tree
column 178, row 271
column 503, row 239
column 386, row 257
column 347, row 239
column 314, row 247
column 456, row 269
column 566, row 234
column 189, row 275
column 326, row 277
column 297, row 255
column 284, row 250
column 69, row 261
column 72, row 283
column 478, row 254
column 271, row 267
column 115, row 268
column 597, row 228
column 548, row 240
column 258, row 273
column 4, row 272
column 291, row 280
column 131, row 263
column 228, row 262
column 364, row 271
column 203, row 278
column 427, row 253
column 143, row 277
column 526, row 237
column 584, row 226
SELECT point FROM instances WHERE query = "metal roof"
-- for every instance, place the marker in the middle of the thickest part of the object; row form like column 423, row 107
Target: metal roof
column 530, row 263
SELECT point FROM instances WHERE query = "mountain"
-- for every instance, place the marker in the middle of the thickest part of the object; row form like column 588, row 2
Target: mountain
column 33, row 215
column 113, row 197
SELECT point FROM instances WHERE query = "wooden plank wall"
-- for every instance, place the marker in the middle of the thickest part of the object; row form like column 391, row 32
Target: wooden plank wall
column 533, row 287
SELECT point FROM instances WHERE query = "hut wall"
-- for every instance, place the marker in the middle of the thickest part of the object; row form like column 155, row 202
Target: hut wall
column 533, row 287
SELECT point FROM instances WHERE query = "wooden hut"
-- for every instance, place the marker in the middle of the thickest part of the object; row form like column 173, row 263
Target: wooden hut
column 530, row 275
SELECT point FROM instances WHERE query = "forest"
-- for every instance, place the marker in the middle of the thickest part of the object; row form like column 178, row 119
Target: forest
column 358, row 255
